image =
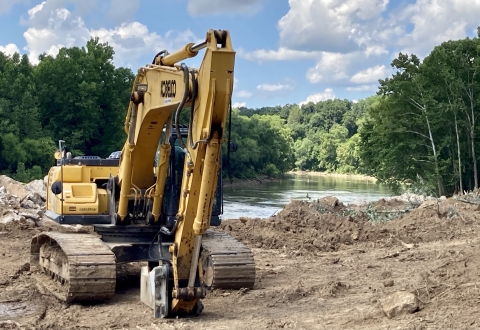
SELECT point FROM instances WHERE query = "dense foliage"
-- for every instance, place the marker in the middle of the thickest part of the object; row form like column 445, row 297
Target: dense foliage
column 420, row 128
column 319, row 136
column 264, row 146
column 424, row 128
column 78, row 96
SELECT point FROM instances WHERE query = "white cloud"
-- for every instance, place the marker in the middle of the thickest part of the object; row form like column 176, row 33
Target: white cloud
column 61, row 29
column 328, row 94
column 348, row 38
column 32, row 11
column 52, row 28
column 239, row 104
column 331, row 66
column 327, row 25
column 363, row 88
column 370, row 75
column 114, row 11
column 435, row 21
column 218, row 7
column 278, row 55
column 133, row 40
column 244, row 94
column 375, row 50
column 273, row 88
column 9, row 49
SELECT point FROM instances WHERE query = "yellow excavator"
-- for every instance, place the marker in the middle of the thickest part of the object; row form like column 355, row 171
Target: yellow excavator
column 159, row 216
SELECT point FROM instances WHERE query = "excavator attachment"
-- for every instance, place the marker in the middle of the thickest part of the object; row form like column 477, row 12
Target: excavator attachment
column 225, row 263
column 154, row 289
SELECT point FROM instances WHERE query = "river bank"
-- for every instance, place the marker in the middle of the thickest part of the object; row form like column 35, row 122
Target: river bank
column 247, row 182
column 264, row 179
column 335, row 175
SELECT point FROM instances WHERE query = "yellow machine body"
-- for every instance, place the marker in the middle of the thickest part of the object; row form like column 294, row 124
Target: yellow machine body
column 81, row 195
column 159, row 93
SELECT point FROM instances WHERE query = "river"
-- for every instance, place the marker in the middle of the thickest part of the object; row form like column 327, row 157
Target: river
column 265, row 199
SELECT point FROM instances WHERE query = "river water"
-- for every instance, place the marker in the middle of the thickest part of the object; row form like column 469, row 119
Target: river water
column 264, row 200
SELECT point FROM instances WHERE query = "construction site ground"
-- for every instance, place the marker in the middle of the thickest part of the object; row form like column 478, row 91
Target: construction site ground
column 320, row 265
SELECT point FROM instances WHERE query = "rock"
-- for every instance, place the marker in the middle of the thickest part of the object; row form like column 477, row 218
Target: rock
column 318, row 243
column 44, row 221
column 328, row 203
column 359, row 202
column 428, row 204
column 13, row 187
column 355, row 235
column 28, row 204
column 30, row 215
column 37, row 187
column 399, row 303
column 10, row 217
column 29, row 222
column 34, row 197
column 388, row 283
column 329, row 200
column 8, row 200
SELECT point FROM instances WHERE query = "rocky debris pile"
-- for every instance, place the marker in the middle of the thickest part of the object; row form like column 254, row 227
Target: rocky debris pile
column 21, row 202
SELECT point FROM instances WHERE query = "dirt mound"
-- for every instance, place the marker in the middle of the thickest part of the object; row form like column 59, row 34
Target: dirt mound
column 327, row 225
column 322, row 225
column 433, row 220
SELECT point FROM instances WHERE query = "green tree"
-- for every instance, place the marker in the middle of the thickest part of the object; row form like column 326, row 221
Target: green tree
column 90, row 100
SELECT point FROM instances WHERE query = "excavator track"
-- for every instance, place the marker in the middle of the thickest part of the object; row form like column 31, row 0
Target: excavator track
column 76, row 267
column 226, row 262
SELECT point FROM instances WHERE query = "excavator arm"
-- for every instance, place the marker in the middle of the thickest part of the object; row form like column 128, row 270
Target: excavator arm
column 160, row 93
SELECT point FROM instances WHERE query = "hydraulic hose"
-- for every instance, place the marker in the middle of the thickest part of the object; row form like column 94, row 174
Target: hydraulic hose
column 192, row 109
column 180, row 107
column 193, row 145
column 165, row 229
column 229, row 136
column 158, row 54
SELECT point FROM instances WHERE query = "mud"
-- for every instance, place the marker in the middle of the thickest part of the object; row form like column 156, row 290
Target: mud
column 320, row 265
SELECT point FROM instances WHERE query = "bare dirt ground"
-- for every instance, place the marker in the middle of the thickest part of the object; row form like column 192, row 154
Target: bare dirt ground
column 320, row 265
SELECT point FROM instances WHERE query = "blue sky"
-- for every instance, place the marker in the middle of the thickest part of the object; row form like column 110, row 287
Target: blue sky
column 288, row 51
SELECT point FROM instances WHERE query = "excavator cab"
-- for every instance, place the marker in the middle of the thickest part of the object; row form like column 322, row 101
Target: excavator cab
column 173, row 183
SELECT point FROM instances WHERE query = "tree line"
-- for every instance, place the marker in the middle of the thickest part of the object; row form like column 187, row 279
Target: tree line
column 424, row 128
column 419, row 129
column 320, row 136
column 78, row 96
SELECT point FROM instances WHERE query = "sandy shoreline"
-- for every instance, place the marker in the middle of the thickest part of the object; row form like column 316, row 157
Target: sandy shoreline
column 261, row 179
column 340, row 175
